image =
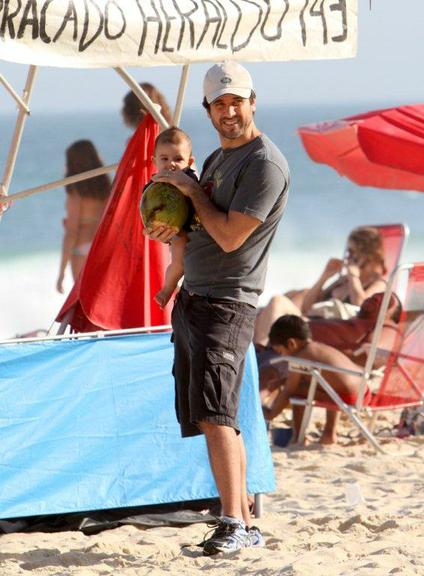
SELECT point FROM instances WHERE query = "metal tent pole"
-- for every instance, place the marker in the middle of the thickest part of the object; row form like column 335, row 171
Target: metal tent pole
column 58, row 183
column 14, row 94
column 180, row 96
column 64, row 323
column 259, row 505
column 88, row 335
column 17, row 135
column 151, row 106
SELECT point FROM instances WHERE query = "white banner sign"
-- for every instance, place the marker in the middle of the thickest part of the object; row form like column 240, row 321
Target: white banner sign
column 104, row 33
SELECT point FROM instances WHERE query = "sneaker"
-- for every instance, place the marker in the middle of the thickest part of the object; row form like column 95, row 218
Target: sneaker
column 227, row 537
column 255, row 535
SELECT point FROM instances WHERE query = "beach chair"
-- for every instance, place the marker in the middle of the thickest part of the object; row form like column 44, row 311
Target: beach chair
column 402, row 379
column 394, row 237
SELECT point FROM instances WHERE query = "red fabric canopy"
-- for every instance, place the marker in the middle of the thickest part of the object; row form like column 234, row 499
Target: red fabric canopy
column 124, row 269
column 395, row 138
column 339, row 145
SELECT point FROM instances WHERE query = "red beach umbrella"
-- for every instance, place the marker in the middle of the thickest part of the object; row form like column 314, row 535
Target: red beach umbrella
column 124, row 269
column 382, row 148
column 395, row 137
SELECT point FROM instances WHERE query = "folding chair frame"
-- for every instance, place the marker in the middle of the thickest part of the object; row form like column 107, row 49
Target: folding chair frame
column 404, row 228
column 314, row 369
column 318, row 380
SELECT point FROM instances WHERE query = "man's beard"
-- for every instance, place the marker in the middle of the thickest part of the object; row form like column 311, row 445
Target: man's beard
column 233, row 132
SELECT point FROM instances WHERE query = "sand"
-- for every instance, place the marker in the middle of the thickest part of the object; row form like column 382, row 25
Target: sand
column 314, row 524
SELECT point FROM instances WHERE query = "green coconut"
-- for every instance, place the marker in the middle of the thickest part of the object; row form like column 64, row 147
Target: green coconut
column 164, row 204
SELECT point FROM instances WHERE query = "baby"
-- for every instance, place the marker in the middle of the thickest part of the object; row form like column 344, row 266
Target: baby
column 173, row 151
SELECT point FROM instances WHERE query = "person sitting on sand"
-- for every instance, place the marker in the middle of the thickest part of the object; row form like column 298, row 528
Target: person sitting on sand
column 85, row 204
column 290, row 335
column 359, row 276
column 352, row 337
column 173, row 151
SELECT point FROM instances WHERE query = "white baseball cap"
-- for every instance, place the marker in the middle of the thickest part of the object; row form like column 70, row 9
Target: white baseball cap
column 227, row 78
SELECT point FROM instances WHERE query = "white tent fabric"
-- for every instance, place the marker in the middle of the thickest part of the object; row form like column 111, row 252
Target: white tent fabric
column 112, row 33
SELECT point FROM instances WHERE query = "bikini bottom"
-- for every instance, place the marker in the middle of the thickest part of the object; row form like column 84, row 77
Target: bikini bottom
column 82, row 249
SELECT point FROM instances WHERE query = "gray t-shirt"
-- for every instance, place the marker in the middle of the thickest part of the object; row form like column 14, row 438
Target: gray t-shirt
column 252, row 179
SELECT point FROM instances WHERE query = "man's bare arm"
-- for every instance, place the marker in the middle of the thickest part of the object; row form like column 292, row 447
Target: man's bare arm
column 229, row 230
column 280, row 402
column 283, row 399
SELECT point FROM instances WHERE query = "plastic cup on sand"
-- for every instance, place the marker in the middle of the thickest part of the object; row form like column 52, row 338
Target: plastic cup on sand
column 353, row 494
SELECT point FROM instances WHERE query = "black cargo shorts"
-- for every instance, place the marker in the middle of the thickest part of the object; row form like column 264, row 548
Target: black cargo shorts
column 211, row 337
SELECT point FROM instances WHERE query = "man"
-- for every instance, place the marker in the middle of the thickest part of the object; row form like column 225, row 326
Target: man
column 290, row 335
column 239, row 201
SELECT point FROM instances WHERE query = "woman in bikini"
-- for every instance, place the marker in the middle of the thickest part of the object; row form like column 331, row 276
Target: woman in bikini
column 358, row 276
column 85, row 204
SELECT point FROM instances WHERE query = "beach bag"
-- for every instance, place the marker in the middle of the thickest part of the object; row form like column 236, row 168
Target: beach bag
column 411, row 422
column 333, row 309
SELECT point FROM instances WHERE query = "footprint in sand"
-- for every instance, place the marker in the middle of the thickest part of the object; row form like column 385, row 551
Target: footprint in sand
column 322, row 521
column 358, row 467
column 375, row 526
column 310, row 468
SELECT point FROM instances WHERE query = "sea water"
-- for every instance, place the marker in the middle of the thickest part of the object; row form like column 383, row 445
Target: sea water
column 322, row 206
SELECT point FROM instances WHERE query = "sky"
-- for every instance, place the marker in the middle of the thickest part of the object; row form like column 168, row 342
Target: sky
column 387, row 69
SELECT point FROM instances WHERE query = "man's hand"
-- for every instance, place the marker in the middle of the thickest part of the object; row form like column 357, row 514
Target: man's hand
column 269, row 379
column 179, row 179
column 163, row 297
